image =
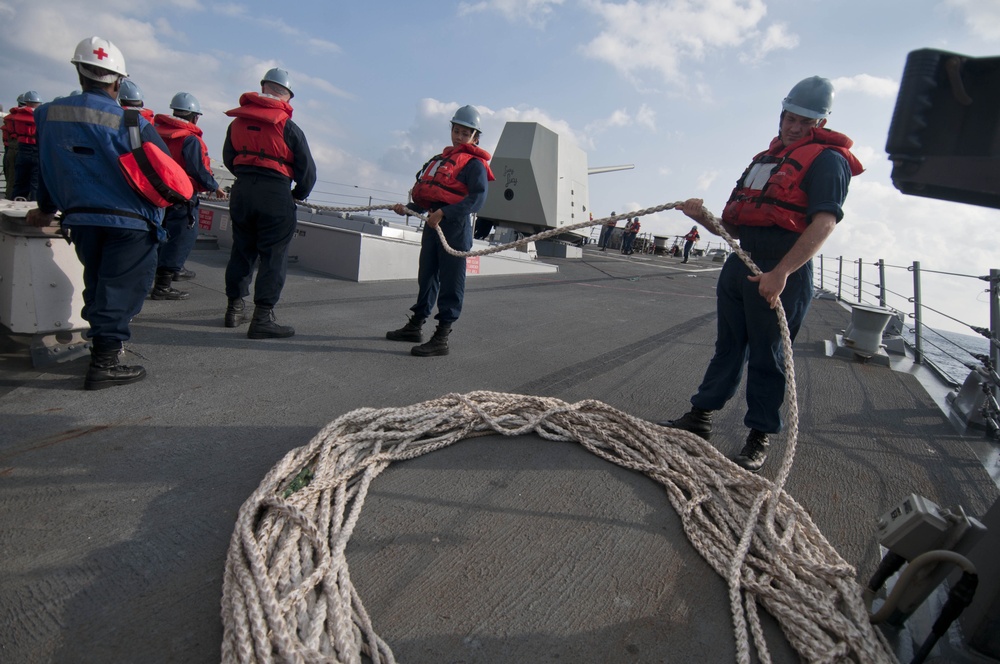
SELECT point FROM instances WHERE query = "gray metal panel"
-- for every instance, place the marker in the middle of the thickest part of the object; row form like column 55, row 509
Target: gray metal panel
column 526, row 166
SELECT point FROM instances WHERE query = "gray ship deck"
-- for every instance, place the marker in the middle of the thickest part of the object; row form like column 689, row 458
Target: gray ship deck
column 119, row 504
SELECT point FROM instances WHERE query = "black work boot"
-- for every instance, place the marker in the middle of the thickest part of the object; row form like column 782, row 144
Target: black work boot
column 437, row 345
column 105, row 371
column 409, row 332
column 265, row 326
column 696, row 420
column 754, row 453
column 183, row 274
column 162, row 290
column 236, row 312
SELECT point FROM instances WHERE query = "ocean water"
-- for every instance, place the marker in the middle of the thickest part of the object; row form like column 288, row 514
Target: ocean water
column 950, row 351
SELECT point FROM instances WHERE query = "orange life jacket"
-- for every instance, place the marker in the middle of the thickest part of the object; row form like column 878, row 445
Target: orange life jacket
column 781, row 200
column 258, row 133
column 23, row 121
column 437, row 180
column 174, row 131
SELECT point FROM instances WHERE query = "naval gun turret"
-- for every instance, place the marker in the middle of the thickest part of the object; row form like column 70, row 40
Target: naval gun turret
column 541, row 184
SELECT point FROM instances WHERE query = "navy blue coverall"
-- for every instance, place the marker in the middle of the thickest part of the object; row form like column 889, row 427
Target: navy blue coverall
column 748, row 330
column 441, row 276
column 262, row 207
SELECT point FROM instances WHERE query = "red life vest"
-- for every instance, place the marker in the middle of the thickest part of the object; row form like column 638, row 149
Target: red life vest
column 258, row 133
column 693, row 236
column 23, row 120
column 437, row 180
column 781, row 201
column 9, row 136
column 174, row 131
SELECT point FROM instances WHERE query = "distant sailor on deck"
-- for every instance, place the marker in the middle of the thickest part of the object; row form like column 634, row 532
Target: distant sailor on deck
column 26, row 162
column 112, row 227
column 10, row 149
column 130, row 96
column 182, row 135
column 785, row 205
column 266, row 152
column 452, row 186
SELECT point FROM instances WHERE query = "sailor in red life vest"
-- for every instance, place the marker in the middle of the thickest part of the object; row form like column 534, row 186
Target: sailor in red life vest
column 10, row 149
column 689, row 240
column 266, row 152
column 784, row 206
column 182, row 135
column 130, row 96
column 26, row 162
column 452, row 186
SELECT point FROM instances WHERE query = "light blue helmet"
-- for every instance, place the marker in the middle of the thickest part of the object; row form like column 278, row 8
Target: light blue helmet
column 811, row 98
column 280, row 77
column 20, row 99
column 185, row 101
column 130, row 92
column 467, row 116
column 31, row 97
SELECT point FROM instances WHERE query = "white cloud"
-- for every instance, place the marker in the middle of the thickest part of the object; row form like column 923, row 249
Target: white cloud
column 706, row 179
column 982, row 17
column 666, row 36
column 875, row 86
column 532, row 12
column 646, row 117
column 775, row 37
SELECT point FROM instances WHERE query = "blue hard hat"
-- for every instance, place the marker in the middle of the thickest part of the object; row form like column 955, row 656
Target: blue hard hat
column 129, row 91
column 31, row 97
column 280, row 77
column 811, row 98
column 185, row 101
column 467, row 116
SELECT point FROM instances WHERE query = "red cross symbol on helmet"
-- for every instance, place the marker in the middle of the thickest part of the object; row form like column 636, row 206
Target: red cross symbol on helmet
column 100, row 53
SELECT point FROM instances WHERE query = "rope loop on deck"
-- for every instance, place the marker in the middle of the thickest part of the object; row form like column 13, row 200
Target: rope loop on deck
column 288, row 595
column 287, row 592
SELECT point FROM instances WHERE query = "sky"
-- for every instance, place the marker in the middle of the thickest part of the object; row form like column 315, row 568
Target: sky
column 686, row 91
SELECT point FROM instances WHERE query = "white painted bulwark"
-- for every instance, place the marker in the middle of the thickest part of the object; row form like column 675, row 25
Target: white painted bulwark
column 41, row 279
column 360, row 248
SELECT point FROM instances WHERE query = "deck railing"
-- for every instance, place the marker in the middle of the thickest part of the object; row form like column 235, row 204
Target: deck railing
column 855, row 280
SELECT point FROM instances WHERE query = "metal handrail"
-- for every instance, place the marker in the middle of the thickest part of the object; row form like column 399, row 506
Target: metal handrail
column 854, row 280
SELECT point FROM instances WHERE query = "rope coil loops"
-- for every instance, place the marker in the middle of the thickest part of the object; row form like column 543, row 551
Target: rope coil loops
column 287, row 592
column 288, row 596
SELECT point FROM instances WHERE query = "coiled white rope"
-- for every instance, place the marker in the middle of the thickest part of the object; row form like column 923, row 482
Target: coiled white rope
column 287, row 593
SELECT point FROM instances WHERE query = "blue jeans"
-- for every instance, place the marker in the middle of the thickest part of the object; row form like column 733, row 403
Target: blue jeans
column 748, row 334
column 118, row 268
column 25, row 172
column 441, row 276
column 181, row 236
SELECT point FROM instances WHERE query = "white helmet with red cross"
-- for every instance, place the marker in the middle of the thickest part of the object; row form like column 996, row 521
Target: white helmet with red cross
column 96, row 53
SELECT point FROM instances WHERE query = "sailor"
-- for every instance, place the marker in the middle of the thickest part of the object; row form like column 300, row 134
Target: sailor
column 689, row 241
column 130, row 96
column 452, row 187
column 26, row 161
column 9, row 149
column 266, row 152
column 785, row 205
column 182, row 135
column 112, row 227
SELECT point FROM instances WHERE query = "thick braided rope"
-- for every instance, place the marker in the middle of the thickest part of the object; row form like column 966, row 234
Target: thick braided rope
column 494, row 249
column 287, row 594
